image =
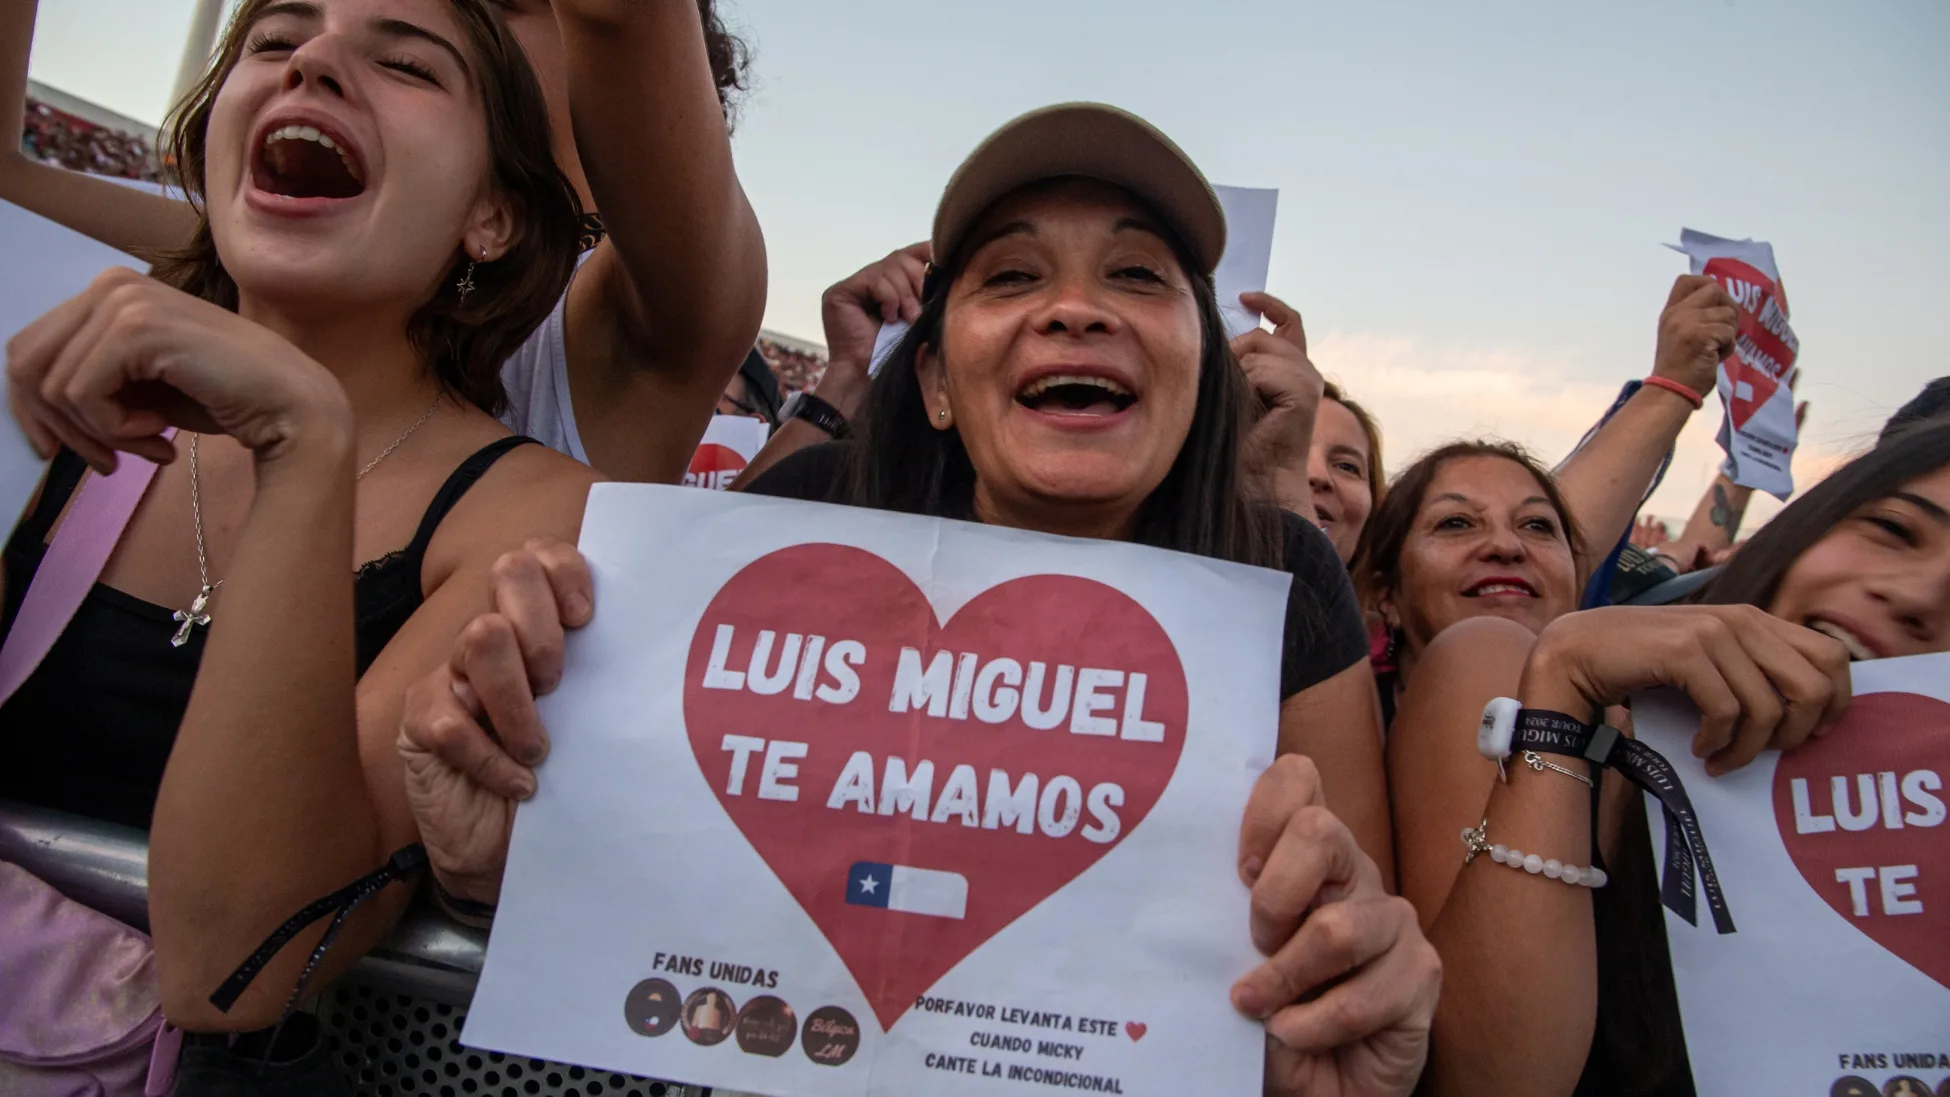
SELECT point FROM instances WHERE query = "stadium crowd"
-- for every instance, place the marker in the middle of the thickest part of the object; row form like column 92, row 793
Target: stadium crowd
column 418, row 382
column 53, row 136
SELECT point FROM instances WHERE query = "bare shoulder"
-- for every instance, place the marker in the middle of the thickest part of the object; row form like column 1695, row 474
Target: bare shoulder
column 1477, row 645
column 531, row 493
column 1469, row 663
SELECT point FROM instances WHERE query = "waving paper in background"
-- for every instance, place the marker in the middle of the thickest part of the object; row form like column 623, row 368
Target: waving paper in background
column 1758, row 431
column 845, row 802
column 1838, row 858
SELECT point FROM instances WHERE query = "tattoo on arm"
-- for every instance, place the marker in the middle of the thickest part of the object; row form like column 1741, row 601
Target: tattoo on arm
column 1725, row 515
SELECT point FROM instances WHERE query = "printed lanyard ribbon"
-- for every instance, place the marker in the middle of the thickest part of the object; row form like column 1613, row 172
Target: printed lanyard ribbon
column 1555, row 733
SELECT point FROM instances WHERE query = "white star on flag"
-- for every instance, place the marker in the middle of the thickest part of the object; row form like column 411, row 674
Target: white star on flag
column 867, row 884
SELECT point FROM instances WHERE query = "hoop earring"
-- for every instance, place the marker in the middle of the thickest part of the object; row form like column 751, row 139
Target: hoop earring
column 466, row 285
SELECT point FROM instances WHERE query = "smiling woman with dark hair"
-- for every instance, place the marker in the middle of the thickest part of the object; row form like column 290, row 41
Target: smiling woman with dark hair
column 1068, row 374
column 1857, row 568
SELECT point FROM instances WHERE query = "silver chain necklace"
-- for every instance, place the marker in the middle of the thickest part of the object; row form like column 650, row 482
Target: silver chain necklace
column 198, row 615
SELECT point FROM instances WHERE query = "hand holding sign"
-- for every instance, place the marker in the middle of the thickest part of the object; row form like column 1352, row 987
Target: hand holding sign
column 1837, row 848
column 1760, row 682
column 469, row 732
column 1322, row 918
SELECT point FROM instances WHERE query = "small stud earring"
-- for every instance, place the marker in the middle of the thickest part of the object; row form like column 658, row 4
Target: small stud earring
column 466, row 285
column 941, row 416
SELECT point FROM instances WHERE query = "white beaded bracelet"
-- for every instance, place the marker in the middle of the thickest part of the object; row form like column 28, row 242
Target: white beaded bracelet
column 1476, row 840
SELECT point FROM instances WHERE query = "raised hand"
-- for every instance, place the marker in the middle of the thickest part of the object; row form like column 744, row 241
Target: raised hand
column 112, row 368
column 470, row 735
column 1289, row 388
column 1349, row 987
column 853, row 310
column 1696, row 333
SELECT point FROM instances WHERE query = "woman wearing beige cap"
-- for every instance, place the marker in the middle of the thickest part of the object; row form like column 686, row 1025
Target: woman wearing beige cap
column 1069, row 373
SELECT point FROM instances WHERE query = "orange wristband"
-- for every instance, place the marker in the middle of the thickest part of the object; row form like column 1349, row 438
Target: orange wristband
column 1677, row 389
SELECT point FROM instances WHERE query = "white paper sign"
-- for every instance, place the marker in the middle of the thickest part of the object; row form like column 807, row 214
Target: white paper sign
column 1249, row 252
column 730, row 442
column 1757, row 431
column 890, row 336
column 41, row 265
column 798, row 837
column 1835, row 863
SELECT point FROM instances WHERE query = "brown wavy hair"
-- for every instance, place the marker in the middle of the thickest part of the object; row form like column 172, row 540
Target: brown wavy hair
column 1377, row 563
column 464, row 343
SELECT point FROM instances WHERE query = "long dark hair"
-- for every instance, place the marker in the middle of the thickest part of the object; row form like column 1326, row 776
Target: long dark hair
column 1754, row 574
column 1377, row 563
column 898, row 462
column 463, row 341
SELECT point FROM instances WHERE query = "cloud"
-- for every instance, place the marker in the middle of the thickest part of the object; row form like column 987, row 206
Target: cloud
column 1426, row 394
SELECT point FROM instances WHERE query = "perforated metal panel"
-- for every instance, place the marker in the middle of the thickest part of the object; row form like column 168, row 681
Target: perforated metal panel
column 396, row 1045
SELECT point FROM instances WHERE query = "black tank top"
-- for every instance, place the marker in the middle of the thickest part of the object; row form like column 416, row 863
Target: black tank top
column 91, row 730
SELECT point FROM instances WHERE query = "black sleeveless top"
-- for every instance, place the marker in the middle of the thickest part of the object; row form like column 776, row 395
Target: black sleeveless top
column 90, row 731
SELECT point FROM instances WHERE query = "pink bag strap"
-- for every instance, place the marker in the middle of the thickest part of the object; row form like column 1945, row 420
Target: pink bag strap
column 73, row 562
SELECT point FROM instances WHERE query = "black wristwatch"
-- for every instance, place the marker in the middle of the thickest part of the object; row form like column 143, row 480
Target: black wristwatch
column 804, row 405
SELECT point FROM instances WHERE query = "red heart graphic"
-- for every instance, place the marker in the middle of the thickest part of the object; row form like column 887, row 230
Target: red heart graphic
column 1760, row 389
column 1136, row 1029
column 714, row 466
column 1867, row 798
column 1098, row 772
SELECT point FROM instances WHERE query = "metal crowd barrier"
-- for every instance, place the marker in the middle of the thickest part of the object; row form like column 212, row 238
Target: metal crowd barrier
column 393, row 1022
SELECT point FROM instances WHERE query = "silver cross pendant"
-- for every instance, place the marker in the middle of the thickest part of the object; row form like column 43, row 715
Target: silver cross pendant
column 192, row 617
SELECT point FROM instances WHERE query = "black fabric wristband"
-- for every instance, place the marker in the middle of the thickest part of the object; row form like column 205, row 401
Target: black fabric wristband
column 1547, row 732
column 819, row 413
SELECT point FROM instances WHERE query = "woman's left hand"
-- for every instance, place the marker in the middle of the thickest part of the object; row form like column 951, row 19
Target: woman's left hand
column 1349, row 989
column 1289, row 387
column 114, row 367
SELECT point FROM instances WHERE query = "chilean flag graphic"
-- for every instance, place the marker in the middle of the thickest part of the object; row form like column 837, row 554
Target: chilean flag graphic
column 907, row 889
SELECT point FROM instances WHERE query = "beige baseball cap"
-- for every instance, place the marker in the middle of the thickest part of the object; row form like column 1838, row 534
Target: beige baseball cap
column 1094, row 141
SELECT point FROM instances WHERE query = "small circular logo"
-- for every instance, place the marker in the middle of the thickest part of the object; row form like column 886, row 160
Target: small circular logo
column 767, row 1026
column 652, row 1007
column 831, row 1036
column 1853, row 1086
column 709, row 1016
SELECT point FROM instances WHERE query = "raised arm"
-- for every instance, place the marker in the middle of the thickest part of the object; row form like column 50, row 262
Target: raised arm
column 851, row 311
column 1605, row 482
column 135, row 221
column 667, row 307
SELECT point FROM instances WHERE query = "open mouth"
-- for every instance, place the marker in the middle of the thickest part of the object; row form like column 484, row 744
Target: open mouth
column 1857, row 650
column 302, row 161
column 1076, row 394
column 1501, row 587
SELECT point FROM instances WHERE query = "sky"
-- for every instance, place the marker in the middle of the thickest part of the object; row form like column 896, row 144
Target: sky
column 1473, row 197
